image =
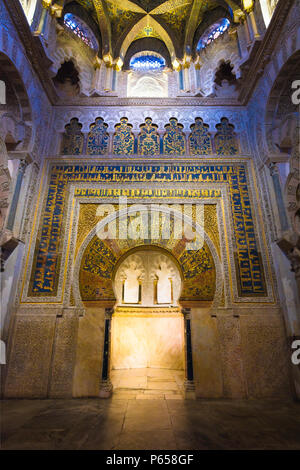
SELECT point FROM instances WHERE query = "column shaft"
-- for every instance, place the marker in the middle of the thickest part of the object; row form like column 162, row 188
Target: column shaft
column 106, row 386
column 254, row 25
column 189, row 386
column 16, row 195
column 284, row 225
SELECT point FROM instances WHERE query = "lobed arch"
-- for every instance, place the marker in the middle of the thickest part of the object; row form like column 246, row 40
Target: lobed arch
column 136, row 249
column 65, row 54
column 219, row 278
column 143, row 22
column 153, row 249
column 212, row 63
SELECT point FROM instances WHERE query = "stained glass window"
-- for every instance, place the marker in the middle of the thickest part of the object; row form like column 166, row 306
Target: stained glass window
column 81, row 30
column 147, row 61
column 213, row 32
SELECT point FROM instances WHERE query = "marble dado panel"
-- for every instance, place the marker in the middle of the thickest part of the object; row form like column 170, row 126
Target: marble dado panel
column 242, row 356
column 59, row 226
column 30, row 357
column 42, row 353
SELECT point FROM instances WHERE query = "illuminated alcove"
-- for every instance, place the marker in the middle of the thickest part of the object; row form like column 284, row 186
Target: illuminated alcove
column 147, row 333
column 146, row 339
column 147, row 76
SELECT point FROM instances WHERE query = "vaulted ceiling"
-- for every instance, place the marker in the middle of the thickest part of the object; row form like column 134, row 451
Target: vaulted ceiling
column 172, row 21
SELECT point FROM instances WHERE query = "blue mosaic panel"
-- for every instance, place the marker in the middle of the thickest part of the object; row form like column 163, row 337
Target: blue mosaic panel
column 225, row 139
column 123, row 139
column 72, row 142
column 147, row 62
column 97, row 142
column 46, row 265
column 200, row 139
column 148, row 139
column 174, row 139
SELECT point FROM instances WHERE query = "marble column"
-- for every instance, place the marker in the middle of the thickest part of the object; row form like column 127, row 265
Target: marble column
column 37, row 17
column 180, row 80
column 15, row 199
column 284, row 225
column 189, row 384
column 186, row 78
column 108, row 78
column 247, row 31
column 43, row 27
column 97, row 78
column 106, row 387
column 198, row 76
column 253, row 25
column 114, row 80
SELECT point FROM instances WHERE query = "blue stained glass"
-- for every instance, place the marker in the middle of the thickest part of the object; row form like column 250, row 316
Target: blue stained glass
column 78, row 27
column 147, row 62
column 213, row 32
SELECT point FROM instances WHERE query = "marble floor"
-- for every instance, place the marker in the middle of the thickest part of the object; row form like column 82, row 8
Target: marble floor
column 148, row 383
column 159, row 424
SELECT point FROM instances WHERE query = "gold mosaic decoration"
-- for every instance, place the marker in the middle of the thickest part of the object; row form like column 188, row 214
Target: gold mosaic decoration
column 101, row 256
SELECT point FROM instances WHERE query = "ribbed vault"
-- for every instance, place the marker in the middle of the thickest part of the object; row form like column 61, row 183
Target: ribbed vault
column 175, row 22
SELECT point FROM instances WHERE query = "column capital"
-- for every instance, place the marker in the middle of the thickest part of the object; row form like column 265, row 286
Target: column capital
column 280, row 157
column 186, row 311
column 46, row 3
column 21, row 155
column 56, row 10
column 241, row 18
column 108, row 312
column 250, row 9
column 97, row 62
column 22, row 166
column 273, row 168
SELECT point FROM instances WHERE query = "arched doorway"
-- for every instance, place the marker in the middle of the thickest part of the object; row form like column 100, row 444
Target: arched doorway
column 147, row 351
column 93, row 287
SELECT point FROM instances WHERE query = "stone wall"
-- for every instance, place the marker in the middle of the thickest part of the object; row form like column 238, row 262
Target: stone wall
column 240, row 356
column 59, row 354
